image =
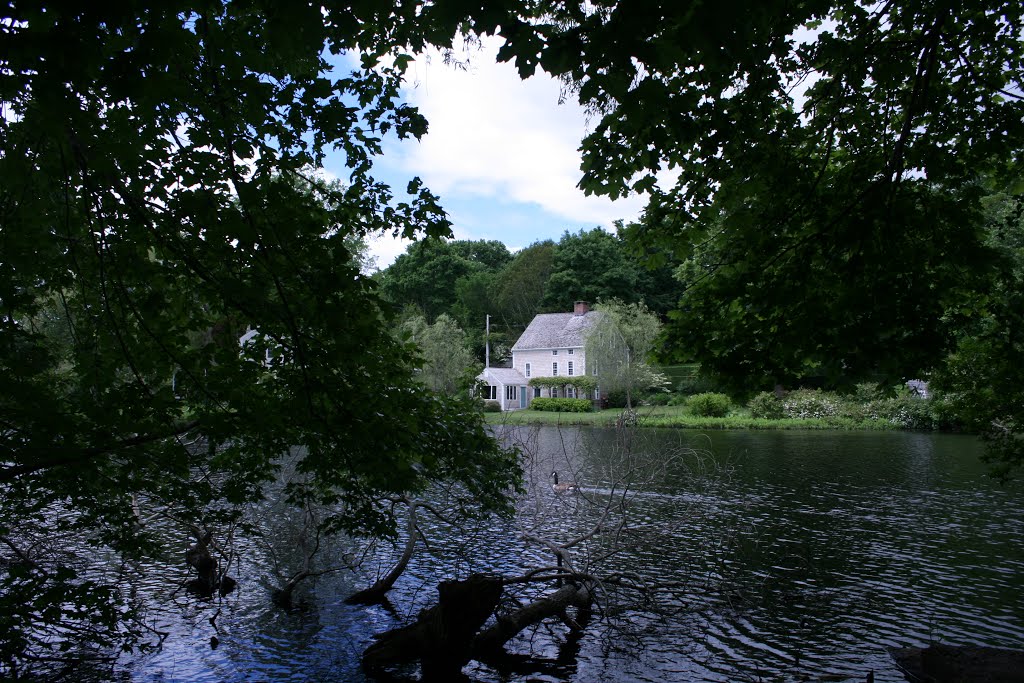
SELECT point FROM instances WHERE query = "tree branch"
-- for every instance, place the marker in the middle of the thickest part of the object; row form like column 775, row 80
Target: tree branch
column 73, row 457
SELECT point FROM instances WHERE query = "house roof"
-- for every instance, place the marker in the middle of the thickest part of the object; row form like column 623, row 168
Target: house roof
column 503, row 376
column 556, row 331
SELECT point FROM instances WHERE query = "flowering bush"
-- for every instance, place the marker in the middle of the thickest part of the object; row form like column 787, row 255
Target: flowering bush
column 811, row 403
column 903, row 412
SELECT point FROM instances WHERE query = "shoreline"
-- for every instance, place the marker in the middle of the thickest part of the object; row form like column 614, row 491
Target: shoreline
column 672, row 418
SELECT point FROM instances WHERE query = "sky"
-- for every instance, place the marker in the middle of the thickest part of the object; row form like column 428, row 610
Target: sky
column 500, row 152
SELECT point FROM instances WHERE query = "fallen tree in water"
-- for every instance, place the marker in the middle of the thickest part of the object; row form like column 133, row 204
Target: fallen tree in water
column 209, row 577
column 441, row 638
column 573, row 535
column 444, row 638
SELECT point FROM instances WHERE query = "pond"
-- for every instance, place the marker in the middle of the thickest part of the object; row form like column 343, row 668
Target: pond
column 787, row 556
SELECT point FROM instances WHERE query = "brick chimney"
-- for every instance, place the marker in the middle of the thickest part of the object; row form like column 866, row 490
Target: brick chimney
column 580, row 308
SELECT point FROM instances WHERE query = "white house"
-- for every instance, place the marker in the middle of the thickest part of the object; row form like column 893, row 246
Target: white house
column 505, row 385
column 553, row 345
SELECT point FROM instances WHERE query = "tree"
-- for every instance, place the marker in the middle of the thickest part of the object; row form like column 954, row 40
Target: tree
column 846, row 215
column 656, row 286
column 474, row 294
column 588, row 266
column 828, row 200
column 150, row 200
column 427, row 274
column 522, row 283
column 448, row 365
column 618, row 346
column 980, row 379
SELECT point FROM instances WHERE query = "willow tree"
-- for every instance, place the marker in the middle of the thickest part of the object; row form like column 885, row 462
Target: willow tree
column 448, row 366
column 618, row 347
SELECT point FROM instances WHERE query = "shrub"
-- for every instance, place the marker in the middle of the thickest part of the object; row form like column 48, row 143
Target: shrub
column 946, row 413
column 616, row 399
column 811, row 403
column 709, row 405
column 562, row 405
column 678, row 400
column 492, row 407
column 866, row 392
column 903, row 412
column 660, row 399
column 766, row 405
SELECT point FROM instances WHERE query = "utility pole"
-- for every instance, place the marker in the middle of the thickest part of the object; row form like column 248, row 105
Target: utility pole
column 487, row 344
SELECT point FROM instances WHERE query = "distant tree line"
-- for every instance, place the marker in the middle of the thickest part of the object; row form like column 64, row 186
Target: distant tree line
column 470, row 279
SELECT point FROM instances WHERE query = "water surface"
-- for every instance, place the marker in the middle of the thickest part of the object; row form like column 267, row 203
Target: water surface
column 794, row 556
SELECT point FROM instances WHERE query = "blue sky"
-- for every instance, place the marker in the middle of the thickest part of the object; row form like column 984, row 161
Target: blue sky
column 501, row 153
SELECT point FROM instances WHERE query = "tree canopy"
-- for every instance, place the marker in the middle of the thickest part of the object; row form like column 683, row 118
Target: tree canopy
column 827, row 203
column 521, row 286
column 619, row 346
column 981, row 379
column 157, row 205
column 588, row 266
column 432, row 274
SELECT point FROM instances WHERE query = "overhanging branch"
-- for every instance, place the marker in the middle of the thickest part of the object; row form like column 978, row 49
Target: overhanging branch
column 78, row 456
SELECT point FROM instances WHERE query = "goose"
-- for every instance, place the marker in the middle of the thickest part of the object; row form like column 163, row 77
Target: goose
column 562, row 488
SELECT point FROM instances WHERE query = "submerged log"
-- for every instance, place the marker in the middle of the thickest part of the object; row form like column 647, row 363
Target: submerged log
column 957, row 664
column 442, row 635
column 507, row 627
column 208, row 579
column 445, row 637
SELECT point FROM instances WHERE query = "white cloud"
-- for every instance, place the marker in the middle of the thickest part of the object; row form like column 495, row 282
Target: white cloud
column 384, row 249
column 493, row 135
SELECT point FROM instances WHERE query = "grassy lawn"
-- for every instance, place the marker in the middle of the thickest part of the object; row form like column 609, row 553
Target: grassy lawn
column 677, row 417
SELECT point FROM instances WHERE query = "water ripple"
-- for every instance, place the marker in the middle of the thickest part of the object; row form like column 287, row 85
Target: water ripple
column 803, row 556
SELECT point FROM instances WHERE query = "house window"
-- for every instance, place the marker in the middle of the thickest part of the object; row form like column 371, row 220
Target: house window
column 491, row 393
column 570, row 352
column 527, row 369
column 536, row 392
column 570, row 392
column 597, row 393
column 511, row 392
column 554, row 369
column 570, row 368
column 554, row 352
column 554, row 392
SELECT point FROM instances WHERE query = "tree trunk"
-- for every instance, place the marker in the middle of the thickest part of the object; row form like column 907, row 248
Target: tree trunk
column 441, row 637
column 378, row 591
column 209, row 579
column 445, row 637
column 507, row 627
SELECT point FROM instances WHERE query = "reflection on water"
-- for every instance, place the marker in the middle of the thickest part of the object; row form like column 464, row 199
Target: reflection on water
column 804, row 555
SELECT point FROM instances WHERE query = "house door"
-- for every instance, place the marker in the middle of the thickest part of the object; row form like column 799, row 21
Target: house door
column 522, row 397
